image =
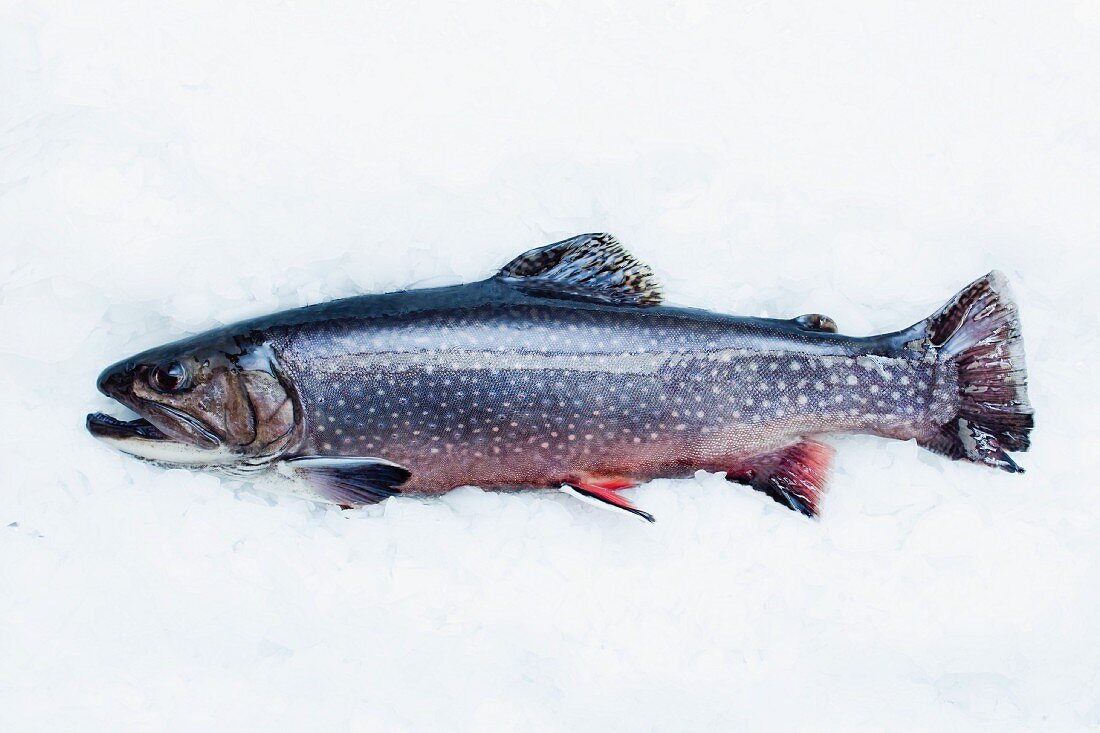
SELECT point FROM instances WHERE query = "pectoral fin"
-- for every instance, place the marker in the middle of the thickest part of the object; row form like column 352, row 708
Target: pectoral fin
column 348, row 481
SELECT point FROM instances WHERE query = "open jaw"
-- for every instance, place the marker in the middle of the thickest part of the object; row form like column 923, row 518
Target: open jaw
column 174, row 439
column 104, row 426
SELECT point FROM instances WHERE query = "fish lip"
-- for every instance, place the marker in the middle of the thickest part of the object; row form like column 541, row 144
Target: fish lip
column 173, row 426
column 102, row 425
column 201, row 432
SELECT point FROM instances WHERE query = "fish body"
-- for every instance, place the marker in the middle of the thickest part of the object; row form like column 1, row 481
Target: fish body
column 565, row 369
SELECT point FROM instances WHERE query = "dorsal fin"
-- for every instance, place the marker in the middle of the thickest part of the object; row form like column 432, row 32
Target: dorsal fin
column 592, row 267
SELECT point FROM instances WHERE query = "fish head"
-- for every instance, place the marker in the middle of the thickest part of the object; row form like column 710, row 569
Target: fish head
column 201, row 402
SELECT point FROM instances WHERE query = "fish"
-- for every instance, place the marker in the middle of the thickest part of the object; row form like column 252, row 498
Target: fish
column 565, row 370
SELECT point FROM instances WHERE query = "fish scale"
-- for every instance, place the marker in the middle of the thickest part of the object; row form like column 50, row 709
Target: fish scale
column 566, row 369
column 499, row 418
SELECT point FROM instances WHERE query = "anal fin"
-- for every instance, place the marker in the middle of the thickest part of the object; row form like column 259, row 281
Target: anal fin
column 794, row 476
column 347, row 481
column 604, row 490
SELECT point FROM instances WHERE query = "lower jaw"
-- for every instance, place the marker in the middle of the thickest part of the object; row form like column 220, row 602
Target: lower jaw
column 106, row 426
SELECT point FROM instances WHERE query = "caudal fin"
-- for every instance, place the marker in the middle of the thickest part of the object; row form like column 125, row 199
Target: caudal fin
column 979, row 330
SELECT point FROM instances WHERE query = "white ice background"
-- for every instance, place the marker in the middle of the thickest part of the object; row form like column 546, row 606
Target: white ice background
column 166, row 167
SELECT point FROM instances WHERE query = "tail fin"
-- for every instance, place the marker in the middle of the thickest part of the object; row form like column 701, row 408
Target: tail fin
column 979, row 330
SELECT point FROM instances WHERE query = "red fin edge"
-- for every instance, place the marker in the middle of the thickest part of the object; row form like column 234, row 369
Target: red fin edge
column 603, row 489
column 794, row 476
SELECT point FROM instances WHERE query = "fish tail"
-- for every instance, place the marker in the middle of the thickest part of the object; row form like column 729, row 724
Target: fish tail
column 979, row 331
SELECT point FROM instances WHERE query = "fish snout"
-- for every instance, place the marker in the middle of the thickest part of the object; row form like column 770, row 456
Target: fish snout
column 115, row 380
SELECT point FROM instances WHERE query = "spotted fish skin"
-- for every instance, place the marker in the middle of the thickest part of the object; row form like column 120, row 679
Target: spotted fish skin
column 565, row 368
column 481, row 386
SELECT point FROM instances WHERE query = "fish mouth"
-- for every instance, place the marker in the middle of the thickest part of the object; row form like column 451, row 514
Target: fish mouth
column 156, row 423
column 102, row 425
column 170, row 438
column 168, row 424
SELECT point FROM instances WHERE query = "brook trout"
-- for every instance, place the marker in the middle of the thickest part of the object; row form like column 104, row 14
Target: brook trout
column 565, row 370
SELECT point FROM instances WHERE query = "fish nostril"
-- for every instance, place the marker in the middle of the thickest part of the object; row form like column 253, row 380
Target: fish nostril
column 112, row 381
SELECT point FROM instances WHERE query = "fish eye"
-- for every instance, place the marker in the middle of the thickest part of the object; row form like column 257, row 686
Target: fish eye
column 171, row 376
